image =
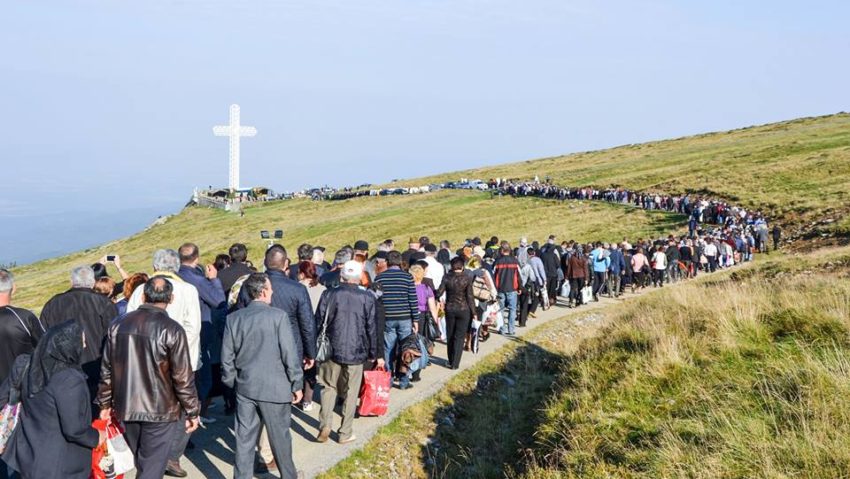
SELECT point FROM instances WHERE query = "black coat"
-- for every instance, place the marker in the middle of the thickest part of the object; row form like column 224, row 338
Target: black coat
column 54, row 438
column 351, row 323
column 292, row 297
column 94, row 312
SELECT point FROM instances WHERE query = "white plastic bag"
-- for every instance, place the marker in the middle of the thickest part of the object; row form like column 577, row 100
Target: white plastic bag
column 120, row 452
column 565, row 290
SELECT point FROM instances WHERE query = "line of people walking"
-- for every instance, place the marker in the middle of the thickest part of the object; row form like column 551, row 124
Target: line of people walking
column 151, row 350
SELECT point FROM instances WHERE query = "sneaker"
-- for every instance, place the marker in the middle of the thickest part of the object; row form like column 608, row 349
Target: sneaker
column 324, row 434
column 348, row 439
column 532, row 315
column 307, row 406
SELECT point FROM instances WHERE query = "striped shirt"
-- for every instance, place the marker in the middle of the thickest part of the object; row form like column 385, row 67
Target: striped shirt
column 399, row 294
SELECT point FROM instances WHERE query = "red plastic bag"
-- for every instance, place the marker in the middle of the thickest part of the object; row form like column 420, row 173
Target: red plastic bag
column 102, row 465
column 375, row 392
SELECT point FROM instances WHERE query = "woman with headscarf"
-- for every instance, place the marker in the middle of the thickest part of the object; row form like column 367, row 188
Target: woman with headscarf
column 54, row 438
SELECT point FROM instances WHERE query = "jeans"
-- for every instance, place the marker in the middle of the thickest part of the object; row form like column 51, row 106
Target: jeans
column 509, row 301
column 395, row 330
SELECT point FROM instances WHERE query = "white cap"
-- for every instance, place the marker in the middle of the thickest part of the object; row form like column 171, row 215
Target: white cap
column 352, row 270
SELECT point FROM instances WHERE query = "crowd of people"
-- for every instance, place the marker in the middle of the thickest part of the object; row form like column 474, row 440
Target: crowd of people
column 149, row 350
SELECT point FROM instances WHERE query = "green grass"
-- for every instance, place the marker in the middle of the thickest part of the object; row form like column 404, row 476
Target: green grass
column 738, row 375
column 786, row 168
column 452, row 215
column 728, row 378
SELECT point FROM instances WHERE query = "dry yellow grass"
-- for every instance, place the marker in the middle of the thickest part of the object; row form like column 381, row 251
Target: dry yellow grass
column 452, row 215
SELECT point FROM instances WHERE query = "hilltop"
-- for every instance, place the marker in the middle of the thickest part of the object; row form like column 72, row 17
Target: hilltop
column 796, row 170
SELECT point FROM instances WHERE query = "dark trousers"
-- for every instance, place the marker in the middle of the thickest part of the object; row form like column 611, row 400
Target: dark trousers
column 203, row 376
column 524, row 303
column 179, row 441
column 150, row 443
column 276, row 418
column 7, row 473
column 457, row 325
column 576, row 285
column 712, row 263
column 552, row 289
column 533, row 297
column 598, row 282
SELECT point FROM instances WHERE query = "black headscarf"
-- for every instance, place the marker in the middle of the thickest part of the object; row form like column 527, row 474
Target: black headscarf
column 59, row 349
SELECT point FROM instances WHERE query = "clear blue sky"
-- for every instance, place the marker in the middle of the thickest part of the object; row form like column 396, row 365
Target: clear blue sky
column 108, row 104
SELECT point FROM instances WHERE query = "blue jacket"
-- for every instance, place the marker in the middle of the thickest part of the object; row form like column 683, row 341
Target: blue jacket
column 210, row 292
column 618, row 262
column 293, row 298
column 597, row 262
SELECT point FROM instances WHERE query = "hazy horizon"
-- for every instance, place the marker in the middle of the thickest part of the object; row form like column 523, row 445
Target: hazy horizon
column 109, row 108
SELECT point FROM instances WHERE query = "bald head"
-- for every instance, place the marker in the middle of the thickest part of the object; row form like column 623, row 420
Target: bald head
column 158, row 291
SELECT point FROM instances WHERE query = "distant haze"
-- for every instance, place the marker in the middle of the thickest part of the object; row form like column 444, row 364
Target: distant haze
column 108, row 106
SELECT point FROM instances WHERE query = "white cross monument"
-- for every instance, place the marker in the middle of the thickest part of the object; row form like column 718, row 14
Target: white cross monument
column 235, row 131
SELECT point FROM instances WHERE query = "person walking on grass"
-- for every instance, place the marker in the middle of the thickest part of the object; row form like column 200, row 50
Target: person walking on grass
column 348, row 316
column 260, row 361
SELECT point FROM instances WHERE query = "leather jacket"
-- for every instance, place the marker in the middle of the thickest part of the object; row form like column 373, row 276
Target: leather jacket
column 458, row 290
column 146, row 374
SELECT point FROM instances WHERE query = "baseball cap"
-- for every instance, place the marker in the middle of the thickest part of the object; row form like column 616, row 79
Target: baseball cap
column 361, row 245
column 352, row 269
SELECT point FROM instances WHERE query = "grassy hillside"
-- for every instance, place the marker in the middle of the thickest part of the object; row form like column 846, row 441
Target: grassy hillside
column 741, row 374
column 798, row 166
column 452, row 215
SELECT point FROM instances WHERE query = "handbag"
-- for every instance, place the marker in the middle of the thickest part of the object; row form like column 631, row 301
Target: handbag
column 10, row 415
column 324, row 350
column 480, row 291
column 122, row 457
column 565, row 289
column 432, row 330
column 375, row 392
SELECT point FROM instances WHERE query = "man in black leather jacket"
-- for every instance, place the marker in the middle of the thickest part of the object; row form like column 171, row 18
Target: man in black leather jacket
column 146, row 379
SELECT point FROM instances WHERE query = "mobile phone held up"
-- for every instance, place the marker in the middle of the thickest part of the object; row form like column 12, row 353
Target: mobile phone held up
column 110, row 258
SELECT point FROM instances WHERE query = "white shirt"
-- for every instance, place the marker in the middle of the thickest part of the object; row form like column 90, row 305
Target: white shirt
column 185, row 309
column 435, row 271
column 710, row 250
column 660, row 260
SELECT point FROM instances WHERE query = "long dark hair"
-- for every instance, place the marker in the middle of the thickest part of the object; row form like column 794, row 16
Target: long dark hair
column 308, row 270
